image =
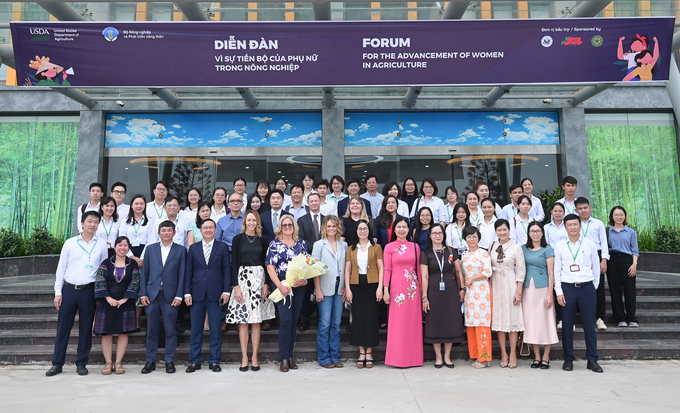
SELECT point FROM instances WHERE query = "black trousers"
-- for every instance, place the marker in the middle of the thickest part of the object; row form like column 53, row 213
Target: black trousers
column 75, row 301
column 307, row 305
column 621, row 285
column 601, row 309
column 584, row 299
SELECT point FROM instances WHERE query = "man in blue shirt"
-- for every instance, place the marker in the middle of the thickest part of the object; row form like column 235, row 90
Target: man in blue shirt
column 230, row 225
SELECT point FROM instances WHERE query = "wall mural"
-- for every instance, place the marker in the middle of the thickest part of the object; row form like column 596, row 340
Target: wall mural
column 38, row 173
column 451, row 128
column 177, row 130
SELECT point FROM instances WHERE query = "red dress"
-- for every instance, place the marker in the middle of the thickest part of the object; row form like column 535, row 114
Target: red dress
column 405, row 329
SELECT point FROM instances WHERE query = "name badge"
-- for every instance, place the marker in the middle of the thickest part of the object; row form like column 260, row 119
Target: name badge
column 574, row 268
column 135, row 243
column 442, row 286
column 461, row 251
column 89, row 266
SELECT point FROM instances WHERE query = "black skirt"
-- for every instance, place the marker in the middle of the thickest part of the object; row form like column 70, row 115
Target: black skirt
column 365, row 311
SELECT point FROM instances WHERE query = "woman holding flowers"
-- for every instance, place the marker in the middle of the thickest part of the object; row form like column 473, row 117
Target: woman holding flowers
column 282, row 249
column 402, row 292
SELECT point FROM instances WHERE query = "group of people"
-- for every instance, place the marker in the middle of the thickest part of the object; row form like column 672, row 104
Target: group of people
column 401, row 257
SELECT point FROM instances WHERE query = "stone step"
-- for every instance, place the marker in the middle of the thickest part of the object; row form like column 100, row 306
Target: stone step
column 45, row 295
column 610, row 349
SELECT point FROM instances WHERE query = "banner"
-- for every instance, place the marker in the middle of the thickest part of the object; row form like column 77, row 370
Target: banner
column 342, row 53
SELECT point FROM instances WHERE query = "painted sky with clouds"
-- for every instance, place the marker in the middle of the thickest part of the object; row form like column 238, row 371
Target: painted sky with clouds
column 212, row 130
column 451, row 128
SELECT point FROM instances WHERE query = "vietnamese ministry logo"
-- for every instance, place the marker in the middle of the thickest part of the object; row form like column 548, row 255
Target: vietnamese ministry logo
column 546, row 41
column 597, row 40
column 110, row 34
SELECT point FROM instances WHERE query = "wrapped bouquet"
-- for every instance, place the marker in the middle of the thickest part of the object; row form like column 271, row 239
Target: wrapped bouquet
column 302, row 267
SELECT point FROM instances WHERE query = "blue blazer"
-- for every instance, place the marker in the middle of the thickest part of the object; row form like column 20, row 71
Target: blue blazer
column 342, row 206
column 171, row 274
column 266, row 222
column 209, row 280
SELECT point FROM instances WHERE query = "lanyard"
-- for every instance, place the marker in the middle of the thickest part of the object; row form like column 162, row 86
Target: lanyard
column 450, row 215
column 572, row 254
column 460, row 236
column 523, row 226
column 585, row 234
column 107, row 231
column 160, row 214
column 566, row 206
column 137, row 226
column 440, row 264
column 474, row 218
column 89, row 253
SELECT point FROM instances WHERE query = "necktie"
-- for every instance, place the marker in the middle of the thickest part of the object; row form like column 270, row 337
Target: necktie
column 316, row 226
column 206, row 253
column 275, row 220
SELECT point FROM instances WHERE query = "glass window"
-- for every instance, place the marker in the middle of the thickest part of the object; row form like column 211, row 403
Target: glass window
column 271, row 11
column 358, row 11
column 540, row 9
column 160, row 11
column 304, row 12
column 662, row 8
column 633, row 162
column 504, row 10
column 626, row 8
column 123, row 11
column 232, row 11
column 33, row 12
column 393, row 11
column 430, row 11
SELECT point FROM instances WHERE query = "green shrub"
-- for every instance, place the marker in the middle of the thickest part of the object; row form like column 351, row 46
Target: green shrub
column 11, row 243
column 646, row 240
column 41, row 242
column 667, row 238
column 548, row 198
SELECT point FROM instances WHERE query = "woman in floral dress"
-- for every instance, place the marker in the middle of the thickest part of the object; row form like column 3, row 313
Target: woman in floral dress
column 402, row 293
column 477, row 270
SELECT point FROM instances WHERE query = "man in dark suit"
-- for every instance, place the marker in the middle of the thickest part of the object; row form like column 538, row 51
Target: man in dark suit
column 309, row 229
column 208, row 278
column 161, row 293
column 271, row 217
column 353, row 187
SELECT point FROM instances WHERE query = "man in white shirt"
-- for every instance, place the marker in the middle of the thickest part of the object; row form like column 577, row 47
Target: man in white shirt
column 576, row 273
column 511, row 210
column 96, row 191
column 328, row 206
column 373, row 196
column 594, row 230
column 118, row 191
column 80, row 259
column 297, row 208
column 569, row 186
column 309, row 230
column 172, row 215
column 155, row 210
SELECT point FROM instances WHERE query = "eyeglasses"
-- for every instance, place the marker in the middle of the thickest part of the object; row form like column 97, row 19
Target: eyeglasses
column 362, row 229
column 161, row 189
column 219, row 196
column 437, row 234
column 428, row 187
column 535, row 232
column 236, row 201
column 239, row 186
column 119, row 192
column 286, row 225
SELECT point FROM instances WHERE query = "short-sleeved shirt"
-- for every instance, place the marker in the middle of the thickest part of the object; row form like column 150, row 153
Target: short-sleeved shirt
column 537, row 266
column 279, row 254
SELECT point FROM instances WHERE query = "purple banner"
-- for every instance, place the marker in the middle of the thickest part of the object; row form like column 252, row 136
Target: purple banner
column 330, row 53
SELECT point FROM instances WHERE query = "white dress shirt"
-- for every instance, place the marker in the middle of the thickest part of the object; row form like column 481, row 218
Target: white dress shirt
column 329, row 207
column 454, row 237
column 586, row 259
column 594, row 230
column 488, row 232
column 435, row 205
column 446, row 214
column 156, row 213
column 137, row 233
column 79, row 261
column 476, row 217
column 519, row 229
column 569, row 207
column 376, row 202
column 181, row 230
column 108, row 231
column 536, row 209
column 402, row 208
column 216, row 216
column 555, row 234
column 123, row 212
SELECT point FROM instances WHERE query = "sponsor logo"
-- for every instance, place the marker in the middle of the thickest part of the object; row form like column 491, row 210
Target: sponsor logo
column 572, row 41
column 546, row 41
column 597, row 40
column 39, row 34
column 110, row 34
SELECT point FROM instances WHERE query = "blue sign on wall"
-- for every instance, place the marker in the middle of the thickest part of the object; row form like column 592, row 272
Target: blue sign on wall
column 451, row 128
column 171, row 130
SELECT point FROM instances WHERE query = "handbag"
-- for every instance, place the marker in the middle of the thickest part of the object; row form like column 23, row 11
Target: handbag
column 412, row 220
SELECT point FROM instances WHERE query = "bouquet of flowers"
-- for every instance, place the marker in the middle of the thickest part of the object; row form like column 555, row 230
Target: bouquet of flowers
column 301, row 267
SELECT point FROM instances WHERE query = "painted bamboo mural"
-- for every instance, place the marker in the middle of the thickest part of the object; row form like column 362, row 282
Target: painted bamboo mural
column 37, row 174
column 636, row 167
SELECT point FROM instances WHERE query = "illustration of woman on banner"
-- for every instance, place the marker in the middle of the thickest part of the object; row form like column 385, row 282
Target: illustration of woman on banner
column 644, row 61
column 637, row 46
column 47, row 74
